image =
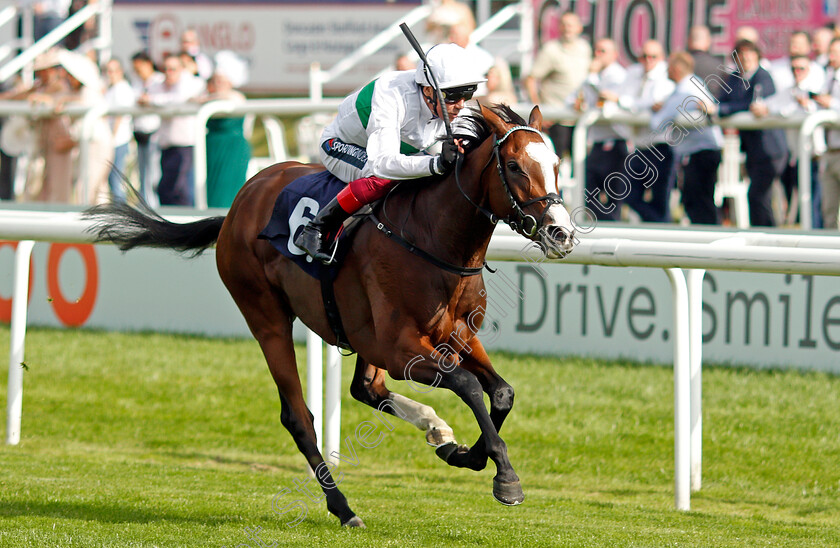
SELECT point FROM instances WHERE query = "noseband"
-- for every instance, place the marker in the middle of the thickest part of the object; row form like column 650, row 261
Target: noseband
column 518, row 220
column 521, row 222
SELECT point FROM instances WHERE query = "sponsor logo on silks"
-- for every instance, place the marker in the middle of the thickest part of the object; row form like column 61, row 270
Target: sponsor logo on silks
column 352, row 154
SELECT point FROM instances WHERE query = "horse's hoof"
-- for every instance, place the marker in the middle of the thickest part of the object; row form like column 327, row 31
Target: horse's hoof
column 355, row 521
column 452, row 453
column 445, row 450
column 508, row 493
column 439, row 436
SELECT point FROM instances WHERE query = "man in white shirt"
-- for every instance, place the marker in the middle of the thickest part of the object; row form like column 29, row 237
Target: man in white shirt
column 799, row 45
column 191, row 45
column 604, row 193
column 647, row 84
column 145, row 127
column 176, row 135
column 820, row 41
column 118, row 94
column 793, row 100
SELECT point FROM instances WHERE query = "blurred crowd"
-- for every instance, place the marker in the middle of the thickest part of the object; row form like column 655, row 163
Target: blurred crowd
column 631, row 172
column 160, row 148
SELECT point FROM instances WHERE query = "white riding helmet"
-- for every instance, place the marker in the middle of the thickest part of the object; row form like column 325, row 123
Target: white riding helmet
column 453, row 67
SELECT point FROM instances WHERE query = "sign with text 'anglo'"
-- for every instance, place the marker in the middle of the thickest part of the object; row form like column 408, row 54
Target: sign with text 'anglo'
column 763, row 320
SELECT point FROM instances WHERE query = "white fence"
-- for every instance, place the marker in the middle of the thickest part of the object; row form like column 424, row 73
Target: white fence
column 807, row 124
column 672, row 250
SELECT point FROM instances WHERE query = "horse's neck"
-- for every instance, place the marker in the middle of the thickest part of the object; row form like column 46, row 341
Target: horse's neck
column 445, row 223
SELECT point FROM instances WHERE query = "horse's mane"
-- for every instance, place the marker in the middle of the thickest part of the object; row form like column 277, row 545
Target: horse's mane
column 474, row 130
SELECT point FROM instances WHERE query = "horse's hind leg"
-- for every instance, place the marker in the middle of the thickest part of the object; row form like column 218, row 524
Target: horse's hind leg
column 273, row 330
column 368, row 387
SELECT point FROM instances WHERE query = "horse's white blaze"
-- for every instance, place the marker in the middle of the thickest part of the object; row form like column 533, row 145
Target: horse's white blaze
column 547, row 160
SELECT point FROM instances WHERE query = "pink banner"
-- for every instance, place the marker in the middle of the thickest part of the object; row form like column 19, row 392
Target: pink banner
column 631, row 22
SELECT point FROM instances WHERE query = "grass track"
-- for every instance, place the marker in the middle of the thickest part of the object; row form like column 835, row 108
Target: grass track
column 157, row 440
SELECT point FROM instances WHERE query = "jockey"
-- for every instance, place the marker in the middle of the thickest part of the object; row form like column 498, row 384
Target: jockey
column 381, row 133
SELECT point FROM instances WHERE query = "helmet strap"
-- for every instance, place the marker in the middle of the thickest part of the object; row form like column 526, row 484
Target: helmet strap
column 432, row 101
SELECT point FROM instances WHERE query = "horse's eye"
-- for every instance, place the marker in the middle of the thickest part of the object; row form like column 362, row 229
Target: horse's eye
column 514, row 167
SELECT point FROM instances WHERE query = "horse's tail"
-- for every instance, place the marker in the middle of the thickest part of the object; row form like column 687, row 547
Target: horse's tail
column 140, row 226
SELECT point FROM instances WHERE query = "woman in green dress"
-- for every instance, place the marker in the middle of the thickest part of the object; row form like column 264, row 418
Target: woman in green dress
column 228, row 151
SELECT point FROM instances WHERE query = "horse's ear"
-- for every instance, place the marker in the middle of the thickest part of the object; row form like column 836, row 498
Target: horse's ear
column 494, row 121
column 536, row 119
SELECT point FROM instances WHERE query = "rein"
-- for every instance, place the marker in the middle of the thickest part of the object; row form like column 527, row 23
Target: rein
column 522, row 219
column 518, row 223
column 443, row 265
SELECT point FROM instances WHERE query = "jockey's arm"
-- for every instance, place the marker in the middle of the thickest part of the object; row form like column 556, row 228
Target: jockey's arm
column 383, row 146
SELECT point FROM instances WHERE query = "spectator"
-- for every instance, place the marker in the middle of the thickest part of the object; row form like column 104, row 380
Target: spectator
column 228, row 151
column 698, row 148
column 559, row 69
column 705, row 64
column 499, row 86
column 460, row 36
column 82, row 34
column 53, row 138
column 830, row 165
column 190, row 65
column 87, row 89
column 647, row 84
column 799, row 45
column 48, row 14
column 445, row 15
column 766, row 149
column 8, row 163
column 118, row 94
column 190, row 44
column 797, row 99
column 176, row 135
column 609, row 147
column 404, row 62
column 747, row 33
column 146, row 126
column 821, row 40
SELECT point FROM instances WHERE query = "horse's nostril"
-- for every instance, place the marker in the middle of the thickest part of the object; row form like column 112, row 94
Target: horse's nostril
column 557, row 233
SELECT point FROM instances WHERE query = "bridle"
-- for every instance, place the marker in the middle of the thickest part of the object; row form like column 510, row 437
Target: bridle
column 518, row 220
column 521, row 222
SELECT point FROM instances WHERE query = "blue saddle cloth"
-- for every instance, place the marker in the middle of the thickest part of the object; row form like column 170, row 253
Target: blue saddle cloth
column 296, row 205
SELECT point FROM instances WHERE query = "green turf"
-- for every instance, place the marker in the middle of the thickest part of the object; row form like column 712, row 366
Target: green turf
column 157, row 440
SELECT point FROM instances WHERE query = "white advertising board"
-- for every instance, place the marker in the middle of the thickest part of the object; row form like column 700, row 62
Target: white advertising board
column 279, row 39
column 763, row 320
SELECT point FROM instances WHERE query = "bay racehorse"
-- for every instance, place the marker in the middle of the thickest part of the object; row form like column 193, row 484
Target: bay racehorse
column 401, row 308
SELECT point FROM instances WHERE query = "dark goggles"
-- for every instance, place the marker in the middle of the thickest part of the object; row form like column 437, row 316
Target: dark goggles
column 453, row 95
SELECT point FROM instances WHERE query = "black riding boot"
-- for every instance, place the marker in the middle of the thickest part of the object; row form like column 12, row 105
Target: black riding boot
column 312, row 238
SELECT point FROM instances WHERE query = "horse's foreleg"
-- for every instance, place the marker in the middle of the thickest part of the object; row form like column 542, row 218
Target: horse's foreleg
column 418, row 363
column 368, row 387
column 501, row 394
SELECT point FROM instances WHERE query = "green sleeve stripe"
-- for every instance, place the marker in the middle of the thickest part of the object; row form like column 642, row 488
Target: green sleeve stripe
column 363, row 103
column 405, row 148
column 363, row 100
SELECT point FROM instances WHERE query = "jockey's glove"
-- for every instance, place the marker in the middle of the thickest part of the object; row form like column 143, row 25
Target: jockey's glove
column 444, row 163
